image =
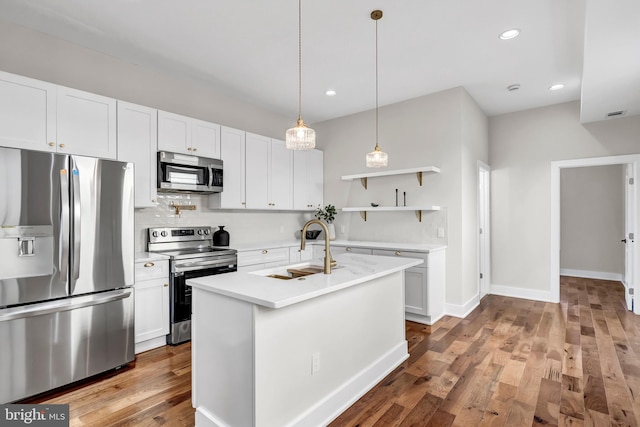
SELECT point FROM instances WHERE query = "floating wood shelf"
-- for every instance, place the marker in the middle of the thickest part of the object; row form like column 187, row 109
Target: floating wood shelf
column 418, row 171
column 418, row 210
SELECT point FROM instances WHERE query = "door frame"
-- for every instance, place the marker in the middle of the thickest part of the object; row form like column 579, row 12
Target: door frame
column 556, row 166
column 484, row 224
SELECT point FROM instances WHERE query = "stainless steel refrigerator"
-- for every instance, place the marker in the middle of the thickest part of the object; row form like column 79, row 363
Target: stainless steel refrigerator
column 66, row 269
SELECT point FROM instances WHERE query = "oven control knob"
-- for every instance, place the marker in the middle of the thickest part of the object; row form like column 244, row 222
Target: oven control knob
column 164, row 234
column 200, row 232
column 154, row 234
column 207, row 231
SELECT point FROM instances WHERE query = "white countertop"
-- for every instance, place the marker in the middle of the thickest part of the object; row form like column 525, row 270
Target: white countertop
column 253, row 287
column 416, row 247
column 149, row 256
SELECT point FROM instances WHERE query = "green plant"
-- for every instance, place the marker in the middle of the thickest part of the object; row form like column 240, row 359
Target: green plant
column 328, row 214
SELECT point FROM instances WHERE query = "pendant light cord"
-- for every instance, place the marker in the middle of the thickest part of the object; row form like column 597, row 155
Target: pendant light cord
column 299, row 59
column 376, row 83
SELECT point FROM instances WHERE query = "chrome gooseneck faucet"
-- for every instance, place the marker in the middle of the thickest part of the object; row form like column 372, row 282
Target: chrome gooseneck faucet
column 328, row 259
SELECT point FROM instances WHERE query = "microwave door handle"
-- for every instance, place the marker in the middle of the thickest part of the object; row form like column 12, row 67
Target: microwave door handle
column 76, row 228
column 210, row 176
column 63, row 259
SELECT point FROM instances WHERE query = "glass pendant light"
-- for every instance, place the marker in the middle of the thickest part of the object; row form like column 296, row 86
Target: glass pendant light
column 300, row 137
column 377, row 158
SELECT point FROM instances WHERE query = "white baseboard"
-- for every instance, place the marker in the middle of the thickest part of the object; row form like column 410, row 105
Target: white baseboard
column 151, row 344
column 510, row 291
column 325, row 411
column 602, row 275
column 463, row 310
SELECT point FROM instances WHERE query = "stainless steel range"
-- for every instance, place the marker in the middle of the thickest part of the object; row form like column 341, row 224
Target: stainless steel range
column 191, row 254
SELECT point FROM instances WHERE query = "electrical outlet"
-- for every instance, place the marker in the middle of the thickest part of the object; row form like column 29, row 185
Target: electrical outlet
column 440, row 231
column 315, row 363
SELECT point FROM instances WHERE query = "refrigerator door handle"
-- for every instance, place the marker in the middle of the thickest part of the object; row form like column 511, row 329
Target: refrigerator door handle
column 66, row 304
column 76, row 229
column 64, row 226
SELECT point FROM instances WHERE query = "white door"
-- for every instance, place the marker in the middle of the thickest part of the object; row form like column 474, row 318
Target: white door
column 138, row 143
column 281, row 176
column 629, row 237
column 232, row 152
column 205, row 139
column 174, row 133
column 27, row 113
column 257, row 171
column 484, row 260
column 86, row 124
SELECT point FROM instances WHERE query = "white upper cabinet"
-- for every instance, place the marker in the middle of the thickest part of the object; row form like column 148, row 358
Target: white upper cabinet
column 269, row 173
column 186, row 135
column 86, row 124
column 307, row 179
column 281, row 176
column 27, row 113
column 37, row 115
column 137, row 143
column 232, row 153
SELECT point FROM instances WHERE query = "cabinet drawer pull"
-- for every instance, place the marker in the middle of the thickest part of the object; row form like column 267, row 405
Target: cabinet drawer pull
column 189, row 149
column 52, row 144
column 265, row 251
column 348, row 249
column 166, row 285
column 195, row 149
column 61, row 145
column 149, row 264
column 398, row 253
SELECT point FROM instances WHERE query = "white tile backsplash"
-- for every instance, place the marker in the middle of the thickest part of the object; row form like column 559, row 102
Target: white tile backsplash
column 244, row 227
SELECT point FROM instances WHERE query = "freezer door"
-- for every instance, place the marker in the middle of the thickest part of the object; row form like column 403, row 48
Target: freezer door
column 51, row 344
column 102, row 225
column 33, row 237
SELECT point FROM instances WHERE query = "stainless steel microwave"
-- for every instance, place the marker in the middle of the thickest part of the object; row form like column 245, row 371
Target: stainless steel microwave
column 190, row 174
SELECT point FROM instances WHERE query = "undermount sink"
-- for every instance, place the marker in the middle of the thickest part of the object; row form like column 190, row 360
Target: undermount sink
column 294, row 272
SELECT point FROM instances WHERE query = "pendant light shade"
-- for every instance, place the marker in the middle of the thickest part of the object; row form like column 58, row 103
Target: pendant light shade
column 377, row 158
column 300, row 137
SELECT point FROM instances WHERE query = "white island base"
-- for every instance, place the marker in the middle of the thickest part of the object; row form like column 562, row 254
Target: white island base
column 301, row 364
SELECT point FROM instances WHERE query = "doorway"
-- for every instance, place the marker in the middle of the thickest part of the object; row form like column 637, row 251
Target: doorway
column 632, row 219
column 484, row 232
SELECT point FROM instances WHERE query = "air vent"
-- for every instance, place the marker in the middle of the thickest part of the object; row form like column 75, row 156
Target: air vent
column 616, row 114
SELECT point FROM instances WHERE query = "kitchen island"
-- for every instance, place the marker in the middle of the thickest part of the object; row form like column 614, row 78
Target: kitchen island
column 271, row 352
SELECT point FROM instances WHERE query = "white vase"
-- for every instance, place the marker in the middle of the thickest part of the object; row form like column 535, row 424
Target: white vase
column 332, row 231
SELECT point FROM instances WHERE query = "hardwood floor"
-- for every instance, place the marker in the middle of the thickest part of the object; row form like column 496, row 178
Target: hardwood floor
column 511, row 362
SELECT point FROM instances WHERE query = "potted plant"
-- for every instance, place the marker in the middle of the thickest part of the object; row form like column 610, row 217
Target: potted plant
column 328, row 214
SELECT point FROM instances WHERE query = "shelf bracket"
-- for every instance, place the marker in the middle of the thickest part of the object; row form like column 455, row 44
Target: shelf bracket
column 363, row 181
column 419, row 176
column 419, row 215
column 363, row 214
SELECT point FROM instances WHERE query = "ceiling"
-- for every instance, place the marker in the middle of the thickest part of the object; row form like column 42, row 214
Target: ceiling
column 248, row 48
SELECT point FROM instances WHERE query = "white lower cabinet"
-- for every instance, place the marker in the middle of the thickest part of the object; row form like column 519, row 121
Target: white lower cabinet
column 151, row 304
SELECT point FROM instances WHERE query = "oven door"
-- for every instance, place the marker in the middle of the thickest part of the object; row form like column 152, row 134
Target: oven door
column 180, row 304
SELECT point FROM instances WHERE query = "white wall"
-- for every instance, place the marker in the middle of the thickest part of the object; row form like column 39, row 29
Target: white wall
column 592, row 221
column 445, row 129
column 522, row 145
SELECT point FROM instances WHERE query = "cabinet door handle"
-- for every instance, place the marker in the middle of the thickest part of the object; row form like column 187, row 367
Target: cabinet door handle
column 195, row 149
column 398, row 253
column 52, row 144
column 348, row 249
column 61, row 145
column 166, row 285
column 189, row 149
column 265, row 251
column 149, row 264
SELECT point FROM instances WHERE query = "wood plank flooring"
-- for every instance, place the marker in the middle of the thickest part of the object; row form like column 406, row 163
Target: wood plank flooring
column 511, row 362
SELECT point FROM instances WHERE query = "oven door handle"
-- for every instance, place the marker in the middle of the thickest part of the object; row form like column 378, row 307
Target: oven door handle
column 200, row 265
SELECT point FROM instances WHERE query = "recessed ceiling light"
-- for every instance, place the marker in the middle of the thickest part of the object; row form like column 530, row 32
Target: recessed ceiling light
column 330, row 92
column 509, row 34
column 556, row 86
column 513, row 87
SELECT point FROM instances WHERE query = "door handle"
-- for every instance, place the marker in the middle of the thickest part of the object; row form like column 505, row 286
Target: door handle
column 624, row 240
